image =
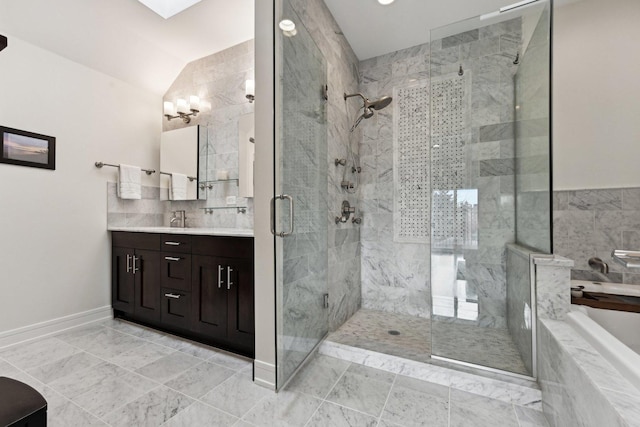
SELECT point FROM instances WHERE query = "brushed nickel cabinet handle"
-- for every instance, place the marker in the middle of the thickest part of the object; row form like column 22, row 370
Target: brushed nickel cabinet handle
column 229, row 282
column 172, row 258
column 172, row 243
column 128, row 263
column 220, row 281
column 135, row 267
column 173, row 296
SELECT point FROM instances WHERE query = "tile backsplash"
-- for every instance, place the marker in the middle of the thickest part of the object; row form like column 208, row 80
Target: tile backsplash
column 150, row 211
column 594, row 222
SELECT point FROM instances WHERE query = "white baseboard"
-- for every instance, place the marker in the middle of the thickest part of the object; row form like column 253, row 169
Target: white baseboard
column 54, row 326
column 264, row 374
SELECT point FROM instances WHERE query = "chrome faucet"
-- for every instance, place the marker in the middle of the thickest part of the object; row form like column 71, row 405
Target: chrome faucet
column 179, row 216
column 597, row 264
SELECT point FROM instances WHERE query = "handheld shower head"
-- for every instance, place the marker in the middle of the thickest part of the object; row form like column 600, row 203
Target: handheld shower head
column 368, row 106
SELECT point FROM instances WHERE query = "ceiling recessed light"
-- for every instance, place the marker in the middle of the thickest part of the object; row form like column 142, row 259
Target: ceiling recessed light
column 287, row 25
column 168, row 8
column 385, row 2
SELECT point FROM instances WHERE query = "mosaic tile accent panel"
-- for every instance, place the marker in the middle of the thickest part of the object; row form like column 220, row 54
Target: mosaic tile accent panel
column 411, row 163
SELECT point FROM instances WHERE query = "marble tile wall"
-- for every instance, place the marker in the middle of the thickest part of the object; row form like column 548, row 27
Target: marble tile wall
column 592, row 223
column 150, row 211
column 579, row 387
column 344, row 238
column 219, row 81
column 395, row 275
column 532, row 147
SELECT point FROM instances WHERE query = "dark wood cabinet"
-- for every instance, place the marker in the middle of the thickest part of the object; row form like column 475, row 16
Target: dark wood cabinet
column 201, row 287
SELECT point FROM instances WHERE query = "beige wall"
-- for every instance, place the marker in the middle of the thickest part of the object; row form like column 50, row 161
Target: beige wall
column 596, row 91
column 54, row 247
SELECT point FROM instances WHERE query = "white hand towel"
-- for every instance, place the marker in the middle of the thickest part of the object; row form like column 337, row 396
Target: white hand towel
column 129, row 182
column 178, row 190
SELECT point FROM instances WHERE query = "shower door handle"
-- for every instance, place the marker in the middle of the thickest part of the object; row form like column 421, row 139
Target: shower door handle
column 273, row 215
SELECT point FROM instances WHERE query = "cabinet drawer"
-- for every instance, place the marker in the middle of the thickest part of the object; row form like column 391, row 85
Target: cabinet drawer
column 230, row 247
column 176, row 243
column 176, row 308
column 175, row 271
column 146, row 241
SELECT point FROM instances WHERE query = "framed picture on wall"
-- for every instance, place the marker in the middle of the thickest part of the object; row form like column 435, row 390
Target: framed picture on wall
column 24, row 148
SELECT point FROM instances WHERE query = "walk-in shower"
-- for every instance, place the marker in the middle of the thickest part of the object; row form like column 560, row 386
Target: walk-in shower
column 449, row 171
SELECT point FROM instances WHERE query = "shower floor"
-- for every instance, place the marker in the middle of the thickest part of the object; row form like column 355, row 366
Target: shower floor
column 369, row 329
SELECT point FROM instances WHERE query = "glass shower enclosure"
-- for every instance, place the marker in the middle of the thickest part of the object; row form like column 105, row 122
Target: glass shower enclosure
column 490, row 184
column 300, row 197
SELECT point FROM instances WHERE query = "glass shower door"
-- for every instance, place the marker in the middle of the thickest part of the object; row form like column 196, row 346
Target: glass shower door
column 300, row 198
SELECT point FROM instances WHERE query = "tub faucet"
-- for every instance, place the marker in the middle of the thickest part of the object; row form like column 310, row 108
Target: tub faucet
column 179, row 216
column 597, row 264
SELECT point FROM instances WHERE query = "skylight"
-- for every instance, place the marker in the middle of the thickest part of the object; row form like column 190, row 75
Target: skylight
column 168, row 8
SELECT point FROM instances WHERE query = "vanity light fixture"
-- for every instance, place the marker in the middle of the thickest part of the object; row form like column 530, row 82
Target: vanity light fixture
column 182, row 110
column 250, row 90
column 385, row 2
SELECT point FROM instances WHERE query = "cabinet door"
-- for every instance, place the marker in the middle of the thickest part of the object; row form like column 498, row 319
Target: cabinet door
column 241, row 323
column 210, row 293
column 122, row 280
column 147, row 279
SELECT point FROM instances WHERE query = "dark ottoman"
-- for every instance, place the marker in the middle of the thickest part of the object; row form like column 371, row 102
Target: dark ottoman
column 21, row 405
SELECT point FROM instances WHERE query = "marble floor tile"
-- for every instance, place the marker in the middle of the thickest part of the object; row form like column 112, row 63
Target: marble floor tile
column 63, row 367
column 319, row 376
column 69, row 414
column 81, row 381
column 107, row 343
column 71, row 334
column 467, row 408
column 237, row 395
column 286, row 408
column 151, row 409
column 200, row 414
column 83, row 389
column 199, row 380
column 329, row 414
column 135, row 330
column 38, row 353
column 362, row 388
column 168, row 366
column 230, row 360
column 141, row 356
column 413, row 402
column 108, row 395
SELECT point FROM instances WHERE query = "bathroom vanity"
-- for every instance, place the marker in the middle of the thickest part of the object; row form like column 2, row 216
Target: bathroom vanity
column 197, row 283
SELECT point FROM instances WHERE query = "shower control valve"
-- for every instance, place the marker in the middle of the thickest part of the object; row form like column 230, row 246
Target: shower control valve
column 346, row 212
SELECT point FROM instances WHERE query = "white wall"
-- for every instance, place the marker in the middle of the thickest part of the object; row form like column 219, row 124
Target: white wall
column 596, row 84
column 54, row 248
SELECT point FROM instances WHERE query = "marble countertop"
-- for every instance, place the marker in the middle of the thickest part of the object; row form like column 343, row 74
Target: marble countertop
column 230, row 232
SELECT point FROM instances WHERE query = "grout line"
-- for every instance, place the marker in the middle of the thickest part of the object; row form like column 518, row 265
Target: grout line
column 386, row 401
column 449, row 409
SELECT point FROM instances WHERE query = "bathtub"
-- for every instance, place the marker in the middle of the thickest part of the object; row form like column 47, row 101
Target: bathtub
column 615, row 334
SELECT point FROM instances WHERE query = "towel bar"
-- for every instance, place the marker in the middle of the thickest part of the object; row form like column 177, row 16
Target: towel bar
column 101, row 164
column 191, row 178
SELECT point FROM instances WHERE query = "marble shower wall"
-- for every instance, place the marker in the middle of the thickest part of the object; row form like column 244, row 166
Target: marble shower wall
column 533, row 177
column 343, row 239
column 594, row 222
column 219, row 81
column 395, row 275
column 487, row 54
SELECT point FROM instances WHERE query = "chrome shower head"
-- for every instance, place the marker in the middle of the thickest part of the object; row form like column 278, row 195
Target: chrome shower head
column 369, row 106
column 379, row 104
